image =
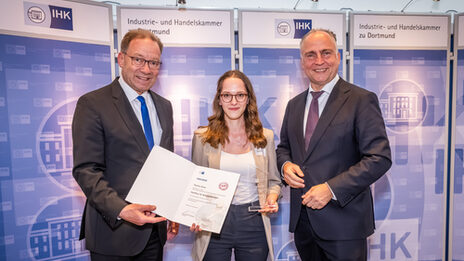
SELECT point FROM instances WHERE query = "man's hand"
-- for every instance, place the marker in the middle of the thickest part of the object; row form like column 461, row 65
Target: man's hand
column 140, row 214
column 173, row 229
column 293, row 175
column 317, row 197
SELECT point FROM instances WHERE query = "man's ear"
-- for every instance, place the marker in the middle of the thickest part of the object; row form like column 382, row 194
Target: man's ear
column 121, row 59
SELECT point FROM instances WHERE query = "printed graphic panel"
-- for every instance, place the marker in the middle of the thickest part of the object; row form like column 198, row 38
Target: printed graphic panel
column 411, row 86
column 277, row 77
column 457, row 190
column 58, row 18
column 40, row 81
column 285, row 29
column 188, row 79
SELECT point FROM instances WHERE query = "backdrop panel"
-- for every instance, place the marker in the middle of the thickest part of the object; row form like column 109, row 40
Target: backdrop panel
column 270, row 56
column 40, row 81
column 410, row 79
column 199, row 48
column 457, row 185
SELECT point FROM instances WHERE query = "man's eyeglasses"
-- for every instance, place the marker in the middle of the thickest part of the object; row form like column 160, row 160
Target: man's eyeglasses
column 140, row 62
column 239, row 97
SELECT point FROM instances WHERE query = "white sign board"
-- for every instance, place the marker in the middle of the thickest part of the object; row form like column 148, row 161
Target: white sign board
column 286, row 29
column 400, row 31
column 460, row 30
column 57, row 18
column 180, row 27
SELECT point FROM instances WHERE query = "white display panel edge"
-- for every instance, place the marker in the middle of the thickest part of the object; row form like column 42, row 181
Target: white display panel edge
column 265, row 33
column 220, row 35
column 180, row 27
column 85, row 15
column 408, row 41
column 399, row 31
column 458, row 45
column 459, row 21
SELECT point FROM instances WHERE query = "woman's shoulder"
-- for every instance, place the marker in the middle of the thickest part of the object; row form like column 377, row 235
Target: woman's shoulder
column 268, row 133
column 200, row 131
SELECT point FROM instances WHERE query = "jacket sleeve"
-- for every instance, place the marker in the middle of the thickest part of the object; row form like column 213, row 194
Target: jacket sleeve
column 274, row 180
column 198, row 150
column 374, row 149
column 89, row 161
column 283, row 152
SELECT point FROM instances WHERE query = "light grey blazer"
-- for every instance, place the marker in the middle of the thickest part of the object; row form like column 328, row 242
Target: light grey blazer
column 266, row 172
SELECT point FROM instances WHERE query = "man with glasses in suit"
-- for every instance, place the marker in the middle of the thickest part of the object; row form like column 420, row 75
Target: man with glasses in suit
column 114, row 129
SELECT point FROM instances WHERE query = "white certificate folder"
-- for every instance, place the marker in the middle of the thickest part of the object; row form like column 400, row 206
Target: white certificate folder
column 184, row 192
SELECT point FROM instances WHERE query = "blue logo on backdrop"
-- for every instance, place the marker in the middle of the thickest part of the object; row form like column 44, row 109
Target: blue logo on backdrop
column 302, row 26
column 50, row 16
column 61, row 17
column 292, row 28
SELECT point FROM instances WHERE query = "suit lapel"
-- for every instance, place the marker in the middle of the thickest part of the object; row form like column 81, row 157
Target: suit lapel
column 297, row 127
column 128, row 116
column 162, row 116
column 337, row 98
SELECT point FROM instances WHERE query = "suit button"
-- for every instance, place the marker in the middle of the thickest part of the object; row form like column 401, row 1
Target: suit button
column 304, row 167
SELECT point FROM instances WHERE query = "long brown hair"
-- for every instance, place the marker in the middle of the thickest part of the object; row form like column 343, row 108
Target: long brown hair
column 218, row 132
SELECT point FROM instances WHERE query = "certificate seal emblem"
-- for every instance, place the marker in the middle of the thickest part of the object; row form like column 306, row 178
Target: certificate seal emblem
column 223, row 186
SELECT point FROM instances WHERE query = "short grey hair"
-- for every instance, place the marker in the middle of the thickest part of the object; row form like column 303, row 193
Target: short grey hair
column 315, row 30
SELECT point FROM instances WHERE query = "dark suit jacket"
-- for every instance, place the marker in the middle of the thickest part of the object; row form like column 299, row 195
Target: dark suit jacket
column 349, row 149
column 109, row 150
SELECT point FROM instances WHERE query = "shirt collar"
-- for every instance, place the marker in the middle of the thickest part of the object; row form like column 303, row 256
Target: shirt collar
column 328, row 87
column 130, row 93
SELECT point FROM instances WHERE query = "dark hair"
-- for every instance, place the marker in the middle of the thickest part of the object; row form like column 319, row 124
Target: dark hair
column 218, row 132
column 139, row 34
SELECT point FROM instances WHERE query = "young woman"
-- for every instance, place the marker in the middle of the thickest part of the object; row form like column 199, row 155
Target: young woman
column 235, row 140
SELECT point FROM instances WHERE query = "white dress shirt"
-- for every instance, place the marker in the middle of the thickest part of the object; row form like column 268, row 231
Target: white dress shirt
column 322, row 101
column 132, row 95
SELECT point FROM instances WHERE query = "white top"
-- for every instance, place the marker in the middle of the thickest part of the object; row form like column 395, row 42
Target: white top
column 243, row 164
column 132, row 95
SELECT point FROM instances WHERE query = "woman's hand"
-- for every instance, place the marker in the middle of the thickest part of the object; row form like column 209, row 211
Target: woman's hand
column 173, row 229
column 195, row 228
column 271, row 204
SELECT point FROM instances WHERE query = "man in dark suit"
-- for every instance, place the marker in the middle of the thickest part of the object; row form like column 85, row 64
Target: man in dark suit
column 113, row 131
column 333, row 147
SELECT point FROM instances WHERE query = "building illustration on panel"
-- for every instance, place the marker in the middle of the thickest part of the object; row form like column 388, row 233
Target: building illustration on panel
column 57, row 238
column 54, row 144
column 400, row 107
column 56, row 148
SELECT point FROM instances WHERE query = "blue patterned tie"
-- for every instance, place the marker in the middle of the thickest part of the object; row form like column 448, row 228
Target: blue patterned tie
column 146, row 122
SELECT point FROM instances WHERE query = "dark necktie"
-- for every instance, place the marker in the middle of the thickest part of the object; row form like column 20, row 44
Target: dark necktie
column 313, row 117
column 146, row 122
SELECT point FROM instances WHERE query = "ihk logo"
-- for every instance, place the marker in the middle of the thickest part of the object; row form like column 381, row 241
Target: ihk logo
column 51, row 16
column 36, row 14
column 292, row 28
column 283, row 28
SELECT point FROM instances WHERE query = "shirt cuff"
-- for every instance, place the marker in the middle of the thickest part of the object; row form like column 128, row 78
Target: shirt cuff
column 282, row 169
column 333, row 195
